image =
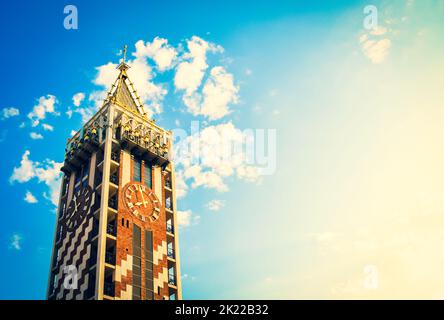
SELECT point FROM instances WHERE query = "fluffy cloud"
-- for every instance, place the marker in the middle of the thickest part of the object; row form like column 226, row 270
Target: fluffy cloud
column 187, row 218
column 30, row 198
column 209, row 98
column 374, row 48
column 47, row 127
column 45, row 105
column 35, row 136
column 95, row 101
column 10, row 112
column 218, row 92
column 181, row 185
column 78, row 98
column 190, row 71
column 15, row 242
column 159, row 51
column 26, row 170
column 215, row 205
column 47, row 172
column 215, row 153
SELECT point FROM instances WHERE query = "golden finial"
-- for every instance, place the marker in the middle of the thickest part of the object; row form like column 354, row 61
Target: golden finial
column 124, row 53
column 123, row 66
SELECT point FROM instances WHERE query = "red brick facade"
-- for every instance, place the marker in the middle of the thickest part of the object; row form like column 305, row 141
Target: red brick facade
column 125, row 235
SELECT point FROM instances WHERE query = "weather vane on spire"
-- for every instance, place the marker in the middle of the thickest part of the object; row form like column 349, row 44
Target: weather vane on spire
column 124, row 53
column 123, row 66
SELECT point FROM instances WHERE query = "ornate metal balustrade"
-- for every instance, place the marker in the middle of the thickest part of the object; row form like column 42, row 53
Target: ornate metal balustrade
column 80, row 148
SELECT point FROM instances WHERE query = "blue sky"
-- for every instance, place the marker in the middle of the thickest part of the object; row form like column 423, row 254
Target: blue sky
column 349, row 107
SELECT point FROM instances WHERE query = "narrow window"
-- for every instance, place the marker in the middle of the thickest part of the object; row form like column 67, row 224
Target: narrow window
column 137, row 168
column 147, row 180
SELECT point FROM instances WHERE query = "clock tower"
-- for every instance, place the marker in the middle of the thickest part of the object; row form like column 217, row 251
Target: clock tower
column 116, row 233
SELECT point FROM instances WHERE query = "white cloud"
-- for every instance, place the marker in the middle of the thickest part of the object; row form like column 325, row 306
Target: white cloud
column 190, row 72
column 379, row 31
column 212, row 101
column 73, row 132
column 47, row 172
column 215, row 153
column 78, row 98
column 45, row 105
column 15, row 243
column 30, row 198
column 35, row 136
column 26, row 170
column 215, row 205
column 86, row 113
column 95, row 101
column 187, row 218
column 181, row 185
column 218, row 92
column 208, row 179
column 10, row 112
column 159, row 51
column 186, row 276
column 375, row 48
column 47, row 127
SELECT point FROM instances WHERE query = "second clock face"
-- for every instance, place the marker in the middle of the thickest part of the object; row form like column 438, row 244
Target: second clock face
column 141, row 201
column 78, row 208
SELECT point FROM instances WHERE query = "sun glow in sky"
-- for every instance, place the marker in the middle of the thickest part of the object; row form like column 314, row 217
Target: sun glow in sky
column 355, row 206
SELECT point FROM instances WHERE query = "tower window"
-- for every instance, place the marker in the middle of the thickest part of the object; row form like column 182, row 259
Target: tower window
column 147, row 179
column 137, row 168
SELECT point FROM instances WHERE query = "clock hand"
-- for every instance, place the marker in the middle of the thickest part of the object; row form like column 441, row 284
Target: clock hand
column 143, row 200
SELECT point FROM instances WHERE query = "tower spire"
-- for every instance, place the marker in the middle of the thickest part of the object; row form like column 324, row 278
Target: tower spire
column 123, row 92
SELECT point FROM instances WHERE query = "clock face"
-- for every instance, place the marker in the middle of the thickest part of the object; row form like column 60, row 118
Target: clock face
column 141, row 201
column 78, row 208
